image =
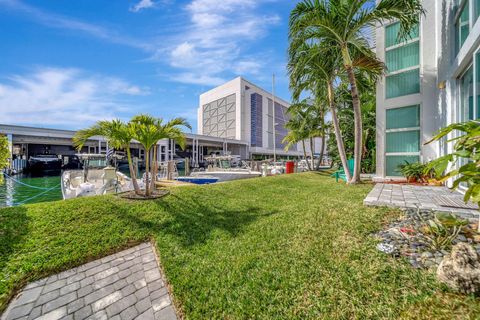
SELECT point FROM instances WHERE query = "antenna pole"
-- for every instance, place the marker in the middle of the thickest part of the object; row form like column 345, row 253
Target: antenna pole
column 274, row 121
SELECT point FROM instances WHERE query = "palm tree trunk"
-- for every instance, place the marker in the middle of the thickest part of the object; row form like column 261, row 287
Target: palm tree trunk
column 357, row 113
column 133, row 175
column 305, row 154
column 322, row 147
column 154, row 167
column 312, row 150
column 338, row 133
column 147, row 172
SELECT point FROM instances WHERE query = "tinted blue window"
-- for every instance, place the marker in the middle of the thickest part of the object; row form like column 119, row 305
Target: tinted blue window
column 256, row 132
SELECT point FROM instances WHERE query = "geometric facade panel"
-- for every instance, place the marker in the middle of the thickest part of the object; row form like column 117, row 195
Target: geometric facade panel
column 219, row 118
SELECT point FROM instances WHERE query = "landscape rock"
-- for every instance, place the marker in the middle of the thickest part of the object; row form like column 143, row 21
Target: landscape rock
column 460, row 270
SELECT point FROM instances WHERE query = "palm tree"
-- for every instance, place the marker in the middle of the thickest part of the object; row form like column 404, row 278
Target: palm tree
column 323, row 127
column 148, row 130
column 312, row 70
column 297, row 131
column 341, row 24
column 307, row 122
column 118, row 136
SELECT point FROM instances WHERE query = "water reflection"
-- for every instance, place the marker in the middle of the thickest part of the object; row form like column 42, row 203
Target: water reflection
column 30, row 188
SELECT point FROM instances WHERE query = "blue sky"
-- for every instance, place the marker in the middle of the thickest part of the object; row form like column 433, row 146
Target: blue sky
column 66, row 64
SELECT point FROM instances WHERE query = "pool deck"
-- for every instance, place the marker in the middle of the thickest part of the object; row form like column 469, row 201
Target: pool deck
column 440, row 199
column 125, row 285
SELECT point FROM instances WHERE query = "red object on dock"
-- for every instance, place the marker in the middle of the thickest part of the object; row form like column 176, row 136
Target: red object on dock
column 289, row 167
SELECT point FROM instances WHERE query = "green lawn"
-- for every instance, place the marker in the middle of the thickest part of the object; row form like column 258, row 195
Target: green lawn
column 296, row 246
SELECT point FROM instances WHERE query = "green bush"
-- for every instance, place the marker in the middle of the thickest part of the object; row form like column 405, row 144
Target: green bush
column 463, row 165
column 4, row 152
column 414, row 170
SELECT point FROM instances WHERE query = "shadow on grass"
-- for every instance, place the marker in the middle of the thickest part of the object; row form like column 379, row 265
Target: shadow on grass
column 191, row 221
column 13, row 228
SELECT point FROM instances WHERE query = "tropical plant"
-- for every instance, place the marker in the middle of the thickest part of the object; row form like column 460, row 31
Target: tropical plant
column 438, row 233
column 307, row 122
column 4, row 152
column 148, row 130
column 297, row 133
column 346, row 122
column 412, row 171
column 463, row 164
column 338, row 26
column 312, row 71
column 118, row 135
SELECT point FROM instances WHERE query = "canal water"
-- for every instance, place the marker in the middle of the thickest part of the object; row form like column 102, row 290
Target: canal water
column 27, row 188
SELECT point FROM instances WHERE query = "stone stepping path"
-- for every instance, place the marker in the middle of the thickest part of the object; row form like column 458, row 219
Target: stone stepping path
column 423, row 197
column 125, row 285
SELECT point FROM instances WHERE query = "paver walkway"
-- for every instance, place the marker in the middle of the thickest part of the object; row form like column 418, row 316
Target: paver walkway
column 423, row 197
column 125, row 285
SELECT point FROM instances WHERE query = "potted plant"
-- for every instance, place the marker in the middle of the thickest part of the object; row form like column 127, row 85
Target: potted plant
column 414, row 172
column 431, row 176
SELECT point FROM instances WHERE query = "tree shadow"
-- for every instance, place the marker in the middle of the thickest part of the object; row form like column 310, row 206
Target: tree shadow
column 13, row 228
column 191, row 221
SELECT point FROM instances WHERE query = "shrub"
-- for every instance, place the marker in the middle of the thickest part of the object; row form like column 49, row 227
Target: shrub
column 412, row 171
column 463, row 165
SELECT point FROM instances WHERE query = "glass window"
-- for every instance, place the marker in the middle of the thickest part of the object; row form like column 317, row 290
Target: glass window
column 477, row 84
column 466, row 96
column 403, row 83
column 391, row 34
column 256, row 120
column 403, row 57
column 392, row 163
column 405, row 117
column 476, row 10
column 462, row 26
column 403, row 141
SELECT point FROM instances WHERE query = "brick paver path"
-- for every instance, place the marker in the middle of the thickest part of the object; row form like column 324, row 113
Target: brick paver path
column 411, row 196
column 125, row 285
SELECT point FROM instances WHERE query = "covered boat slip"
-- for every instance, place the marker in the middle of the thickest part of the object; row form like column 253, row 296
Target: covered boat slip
column 26, row 142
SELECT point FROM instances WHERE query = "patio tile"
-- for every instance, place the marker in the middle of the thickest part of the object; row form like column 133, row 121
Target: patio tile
column 410, row 196
column 96, row 289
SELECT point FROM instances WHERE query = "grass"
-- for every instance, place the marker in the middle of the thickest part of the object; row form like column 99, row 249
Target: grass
column 296, row 246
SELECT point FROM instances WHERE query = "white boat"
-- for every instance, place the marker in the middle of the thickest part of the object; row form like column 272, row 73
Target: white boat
column 220, row 167
column 276, row 168
column 94, row 180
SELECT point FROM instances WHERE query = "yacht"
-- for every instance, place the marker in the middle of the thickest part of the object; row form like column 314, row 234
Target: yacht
column 221, row 167
column 43, row 162
column 96, row 178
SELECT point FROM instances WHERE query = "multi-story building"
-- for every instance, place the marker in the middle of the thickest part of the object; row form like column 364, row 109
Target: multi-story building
column 432, row 81
column 243, row 111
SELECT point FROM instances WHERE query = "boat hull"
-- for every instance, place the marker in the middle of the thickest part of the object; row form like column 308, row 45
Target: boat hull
column 44, row 165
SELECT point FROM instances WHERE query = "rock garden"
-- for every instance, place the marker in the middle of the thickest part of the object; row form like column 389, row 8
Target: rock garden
column 439, row 242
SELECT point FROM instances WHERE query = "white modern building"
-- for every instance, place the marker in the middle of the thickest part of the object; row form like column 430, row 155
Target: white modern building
column 243, row 111
column 432, row 81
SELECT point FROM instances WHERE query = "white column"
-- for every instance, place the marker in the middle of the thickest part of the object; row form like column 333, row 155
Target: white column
column 172, row 149
column 196, row 152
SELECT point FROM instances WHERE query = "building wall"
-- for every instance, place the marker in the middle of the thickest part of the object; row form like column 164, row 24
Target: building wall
column 394, row 136
column 254, row 115
column 221, row 92
column 446, row 96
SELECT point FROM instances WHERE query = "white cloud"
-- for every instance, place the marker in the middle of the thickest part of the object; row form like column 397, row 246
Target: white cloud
column 142, row 4
column 215, row 40
column 66, row 97
column 207, row 48
column 196, row 78
column 64, row 22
